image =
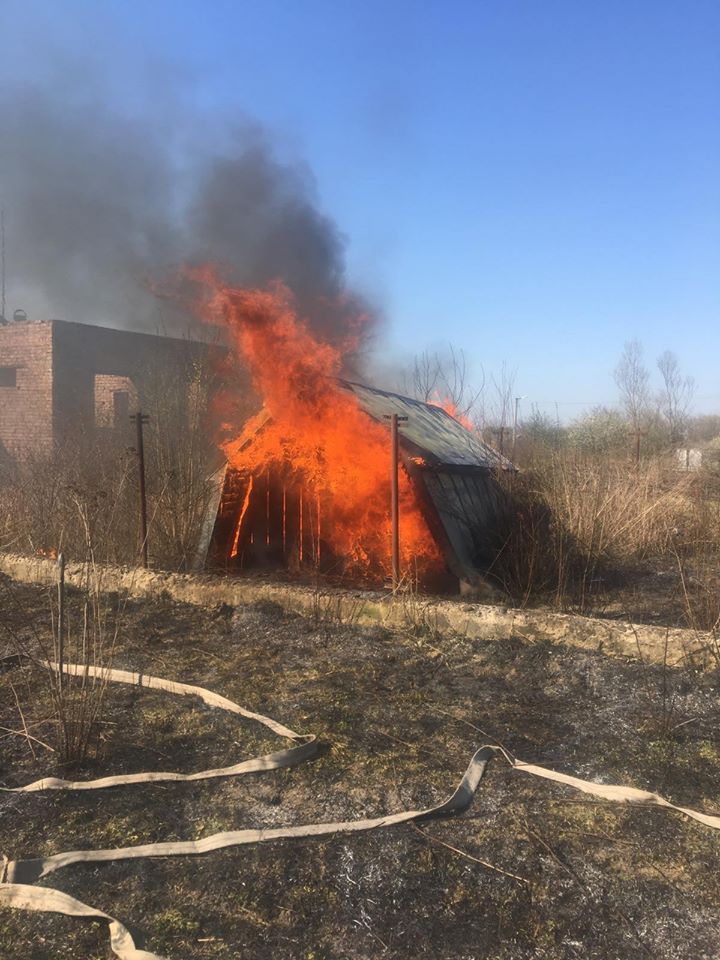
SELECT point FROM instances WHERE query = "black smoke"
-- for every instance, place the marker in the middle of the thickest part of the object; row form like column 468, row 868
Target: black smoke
column 100, row 203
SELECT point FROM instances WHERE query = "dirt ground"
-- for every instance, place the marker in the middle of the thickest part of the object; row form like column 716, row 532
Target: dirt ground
column 399, row 717
column 655, row 592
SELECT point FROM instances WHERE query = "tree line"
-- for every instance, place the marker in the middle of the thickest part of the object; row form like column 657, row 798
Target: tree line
column 646, row 418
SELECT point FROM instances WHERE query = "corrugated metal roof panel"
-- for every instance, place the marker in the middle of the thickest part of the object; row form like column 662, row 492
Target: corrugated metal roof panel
column 441, row 437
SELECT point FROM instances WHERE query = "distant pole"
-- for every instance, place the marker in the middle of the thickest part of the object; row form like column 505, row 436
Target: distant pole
column 140, row 419
column 638, row 434
column 61, row 618
column 515, row 423
column 557, row 426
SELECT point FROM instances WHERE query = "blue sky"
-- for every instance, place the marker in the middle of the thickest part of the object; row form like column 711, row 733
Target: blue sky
column 534, row 182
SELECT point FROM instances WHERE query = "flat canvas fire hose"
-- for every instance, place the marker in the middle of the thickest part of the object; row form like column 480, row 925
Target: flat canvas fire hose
column 18, row 878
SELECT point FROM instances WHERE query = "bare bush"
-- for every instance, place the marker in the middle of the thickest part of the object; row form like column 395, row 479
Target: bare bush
column 46, row 502
column 675, row 397
column 697, row 553
column 182, row 461
column 74, row 705
column 578, row 522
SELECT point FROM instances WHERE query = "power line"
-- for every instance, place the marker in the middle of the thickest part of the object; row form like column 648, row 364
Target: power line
column 577, row 403
column 603, row 403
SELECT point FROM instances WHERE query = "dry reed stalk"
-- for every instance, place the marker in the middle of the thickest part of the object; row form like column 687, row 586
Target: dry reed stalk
column 579, row 521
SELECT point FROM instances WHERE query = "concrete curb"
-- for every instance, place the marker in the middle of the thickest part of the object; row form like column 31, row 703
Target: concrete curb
column 650, row 643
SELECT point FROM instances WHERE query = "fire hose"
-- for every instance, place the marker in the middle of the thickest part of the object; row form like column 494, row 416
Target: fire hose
column 18, row 878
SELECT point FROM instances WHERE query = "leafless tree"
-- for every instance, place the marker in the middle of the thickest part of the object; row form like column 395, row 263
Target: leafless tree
column 424, row 376
column 501, row 405
column 675, row 396
column 632, row 379
column 443, row 376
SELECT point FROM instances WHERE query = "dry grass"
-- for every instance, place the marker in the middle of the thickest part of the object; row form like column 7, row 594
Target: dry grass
column 399, row 725
column 582, row 523
column 50, row 504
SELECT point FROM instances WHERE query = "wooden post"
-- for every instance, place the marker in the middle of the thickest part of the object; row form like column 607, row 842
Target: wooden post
column 395, row 501
column 141, row 419
column 395, row 495
column 638, row 433
column 61, row 618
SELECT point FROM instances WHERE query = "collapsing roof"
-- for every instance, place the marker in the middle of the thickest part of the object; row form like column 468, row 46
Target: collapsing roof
column 454, row 473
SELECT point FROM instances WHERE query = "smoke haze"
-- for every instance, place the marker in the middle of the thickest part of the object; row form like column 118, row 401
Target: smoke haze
column 100, row 205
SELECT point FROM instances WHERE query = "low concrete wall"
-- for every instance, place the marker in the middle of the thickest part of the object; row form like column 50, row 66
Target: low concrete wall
column 650, row 643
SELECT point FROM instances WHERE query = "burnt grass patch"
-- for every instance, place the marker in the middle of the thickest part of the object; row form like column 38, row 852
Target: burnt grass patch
column 564, row 875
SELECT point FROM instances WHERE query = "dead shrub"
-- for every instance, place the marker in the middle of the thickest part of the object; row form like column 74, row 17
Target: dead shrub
column 73, row 706
column 43, row 498
column 578, row 523
column 696, row 549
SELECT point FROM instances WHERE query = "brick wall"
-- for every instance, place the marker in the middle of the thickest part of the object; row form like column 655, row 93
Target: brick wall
column 90, row 363
column 65, row 376
column 26, row 409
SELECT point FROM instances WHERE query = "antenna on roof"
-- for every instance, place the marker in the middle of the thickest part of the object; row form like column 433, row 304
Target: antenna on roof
column 2, row 265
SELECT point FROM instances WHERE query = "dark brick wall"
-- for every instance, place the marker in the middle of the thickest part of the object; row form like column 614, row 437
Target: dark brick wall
column 82, row 353
column 67, row 373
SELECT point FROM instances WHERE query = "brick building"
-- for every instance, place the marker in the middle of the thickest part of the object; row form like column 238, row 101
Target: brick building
column 57, row 376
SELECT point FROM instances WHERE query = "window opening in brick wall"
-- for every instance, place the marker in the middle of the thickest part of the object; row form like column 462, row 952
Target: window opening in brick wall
column 8, row 376
column 121, row 408
column 115, row 399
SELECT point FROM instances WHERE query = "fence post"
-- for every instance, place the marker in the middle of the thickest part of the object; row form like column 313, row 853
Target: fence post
column 60, row 652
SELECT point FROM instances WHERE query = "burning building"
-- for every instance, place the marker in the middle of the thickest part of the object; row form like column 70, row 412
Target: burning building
column 278, row 516
column 307, row 483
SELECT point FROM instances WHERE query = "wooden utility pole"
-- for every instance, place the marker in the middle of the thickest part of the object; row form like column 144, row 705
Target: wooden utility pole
column 140, row 419
column 395, row 496
column 638, row 433
column 395, row 501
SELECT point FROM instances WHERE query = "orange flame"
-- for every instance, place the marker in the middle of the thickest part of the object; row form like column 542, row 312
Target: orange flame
column 243, row 511
column 449, row 406
column 317, row 436
column 51, row 554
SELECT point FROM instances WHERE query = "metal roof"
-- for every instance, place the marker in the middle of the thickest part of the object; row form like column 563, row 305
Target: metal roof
column 437, row 436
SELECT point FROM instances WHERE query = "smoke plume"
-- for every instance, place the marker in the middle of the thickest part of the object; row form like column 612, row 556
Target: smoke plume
column 100, row 204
